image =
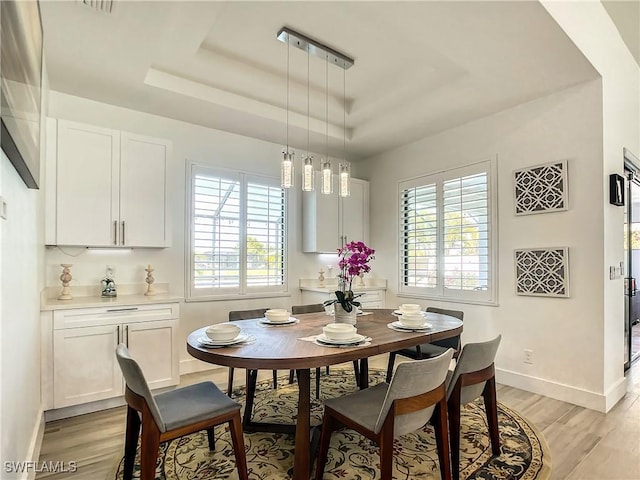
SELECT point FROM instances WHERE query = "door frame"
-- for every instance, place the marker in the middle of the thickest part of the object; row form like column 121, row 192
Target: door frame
column 631, row 164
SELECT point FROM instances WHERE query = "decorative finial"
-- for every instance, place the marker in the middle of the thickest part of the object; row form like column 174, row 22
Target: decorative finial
column 150, row 291
column 65, row 278
column 321, row 278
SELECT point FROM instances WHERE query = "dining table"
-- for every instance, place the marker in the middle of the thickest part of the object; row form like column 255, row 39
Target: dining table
column 291, row 347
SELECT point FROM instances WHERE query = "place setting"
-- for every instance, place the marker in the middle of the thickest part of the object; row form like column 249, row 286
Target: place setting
column 339, row 335
column 225, row 335
column 277, row 317
column 410, row 319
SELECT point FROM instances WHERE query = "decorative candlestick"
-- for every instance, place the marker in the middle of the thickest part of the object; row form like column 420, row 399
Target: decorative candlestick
column 361, row 280
column 65, row 278
column 150, row 291
column 329, row 270
column 321, row 278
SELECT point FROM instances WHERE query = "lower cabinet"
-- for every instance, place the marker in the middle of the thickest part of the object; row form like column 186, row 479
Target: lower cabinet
column 81, row 346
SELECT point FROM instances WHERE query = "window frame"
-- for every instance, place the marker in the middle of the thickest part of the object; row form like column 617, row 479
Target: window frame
column 482, row 297
column 243, row 290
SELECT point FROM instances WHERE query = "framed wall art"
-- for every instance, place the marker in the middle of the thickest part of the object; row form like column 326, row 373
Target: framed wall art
column 542, row 272
column 541, row 189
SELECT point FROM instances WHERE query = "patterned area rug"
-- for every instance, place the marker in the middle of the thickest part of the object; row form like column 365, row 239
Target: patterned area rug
column 524, row 456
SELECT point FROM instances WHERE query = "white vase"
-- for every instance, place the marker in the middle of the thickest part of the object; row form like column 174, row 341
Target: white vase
column 342, row 316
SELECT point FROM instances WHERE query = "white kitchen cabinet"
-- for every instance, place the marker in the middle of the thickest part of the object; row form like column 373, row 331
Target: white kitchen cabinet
column 114, row 182
column 330, row 221
column 82, row 351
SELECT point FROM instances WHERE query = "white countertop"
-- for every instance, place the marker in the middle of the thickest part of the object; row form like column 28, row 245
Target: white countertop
column 120, row 300
column 333, row 289
column 331, row 285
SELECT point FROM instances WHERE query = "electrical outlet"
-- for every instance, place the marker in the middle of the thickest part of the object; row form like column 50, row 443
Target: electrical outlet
column 528, row 356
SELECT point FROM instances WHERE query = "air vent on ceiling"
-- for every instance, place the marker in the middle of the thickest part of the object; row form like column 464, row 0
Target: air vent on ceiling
column 104, row 6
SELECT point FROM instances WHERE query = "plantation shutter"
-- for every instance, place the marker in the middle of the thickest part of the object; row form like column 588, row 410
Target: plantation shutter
column 466, row 233
column 265, row 240
column 419, row 233
column 216, row 232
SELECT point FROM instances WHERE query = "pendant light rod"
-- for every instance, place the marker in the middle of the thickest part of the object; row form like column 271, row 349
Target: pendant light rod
column 314, row 47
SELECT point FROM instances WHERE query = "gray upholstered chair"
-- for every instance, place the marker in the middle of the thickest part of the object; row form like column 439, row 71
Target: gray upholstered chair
column 473, row 376
column 416, row 395
column 246, row 315
column 171, row 415
column 428, row 350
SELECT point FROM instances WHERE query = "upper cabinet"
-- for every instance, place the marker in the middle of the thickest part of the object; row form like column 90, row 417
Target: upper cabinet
column 330, row 221
column 105, row 188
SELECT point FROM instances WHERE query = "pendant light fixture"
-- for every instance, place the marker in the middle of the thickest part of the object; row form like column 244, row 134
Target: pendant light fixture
column 329, row 55
column 327, row 173
column 344, row 175
column 287, row 167
column 308, row 172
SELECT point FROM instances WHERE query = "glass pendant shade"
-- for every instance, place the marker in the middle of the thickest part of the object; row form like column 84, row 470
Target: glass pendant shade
column 286, row 170
column 308, row 175
column 327, row 178
column 345, row 179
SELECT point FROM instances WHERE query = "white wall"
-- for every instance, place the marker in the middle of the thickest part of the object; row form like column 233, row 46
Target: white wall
column 604, row 48
column 21, row 247
column 193, row 143
column 564, row 334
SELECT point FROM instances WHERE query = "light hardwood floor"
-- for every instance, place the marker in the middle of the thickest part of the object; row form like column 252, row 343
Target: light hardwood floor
column 584, row 444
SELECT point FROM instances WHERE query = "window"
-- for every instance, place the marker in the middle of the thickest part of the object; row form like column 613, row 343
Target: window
column 447, row 248
column 238, row 236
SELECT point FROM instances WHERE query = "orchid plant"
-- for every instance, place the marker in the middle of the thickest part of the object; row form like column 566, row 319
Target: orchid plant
column 354, row 261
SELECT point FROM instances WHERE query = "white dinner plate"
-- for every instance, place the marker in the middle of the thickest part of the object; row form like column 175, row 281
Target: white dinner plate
column 322, row 338
column 401, row 326
column 206, row 341
column 266, row 321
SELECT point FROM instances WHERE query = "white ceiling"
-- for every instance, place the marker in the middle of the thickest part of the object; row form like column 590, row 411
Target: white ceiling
column 420, row 67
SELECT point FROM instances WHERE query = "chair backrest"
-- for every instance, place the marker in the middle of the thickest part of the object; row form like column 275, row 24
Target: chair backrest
column 453, row 342
column 473, row 358
column 246, row 314
column 313, row 308
column 410, row 380
column 136, row 382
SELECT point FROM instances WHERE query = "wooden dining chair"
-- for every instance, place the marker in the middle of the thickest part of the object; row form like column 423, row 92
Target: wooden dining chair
column 428, row 350
column 473, row 376
column 171, row 415
column 235, row 315
column 316, row 308
column 416, row 395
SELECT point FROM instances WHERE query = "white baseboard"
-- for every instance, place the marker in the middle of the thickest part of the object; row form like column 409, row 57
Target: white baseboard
column 34, row 445
column 583, row 398
column 193, row 365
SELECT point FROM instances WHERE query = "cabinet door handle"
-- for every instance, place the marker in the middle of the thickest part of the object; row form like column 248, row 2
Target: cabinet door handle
column 119, row 341
column 115, row 232
column 126, row 335
column 123, row 232
column 129, row 309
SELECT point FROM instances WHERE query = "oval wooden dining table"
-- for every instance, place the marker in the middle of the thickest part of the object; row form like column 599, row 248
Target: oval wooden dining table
column 280, row 348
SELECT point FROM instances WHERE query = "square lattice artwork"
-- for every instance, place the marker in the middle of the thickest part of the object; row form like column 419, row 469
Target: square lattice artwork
column 541, row 189
column 542, row 272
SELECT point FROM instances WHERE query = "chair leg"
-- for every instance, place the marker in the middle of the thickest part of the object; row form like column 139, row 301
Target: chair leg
column 318, row 383
column 252, row 376
column 392, row 360
column 130, row 442
column 386, row 451
column 149, row 449
column 453, row 408
column 291, row 376
column 211, row 437
column 356, row 371
column 442, row 438
column 230, row 382
column 235, row 427
column 328, row 425
column 491, row 408
column 327, row 369
column 275, row 379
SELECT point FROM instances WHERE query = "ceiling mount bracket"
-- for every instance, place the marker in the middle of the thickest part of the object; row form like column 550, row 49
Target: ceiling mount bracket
column 313, row 47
